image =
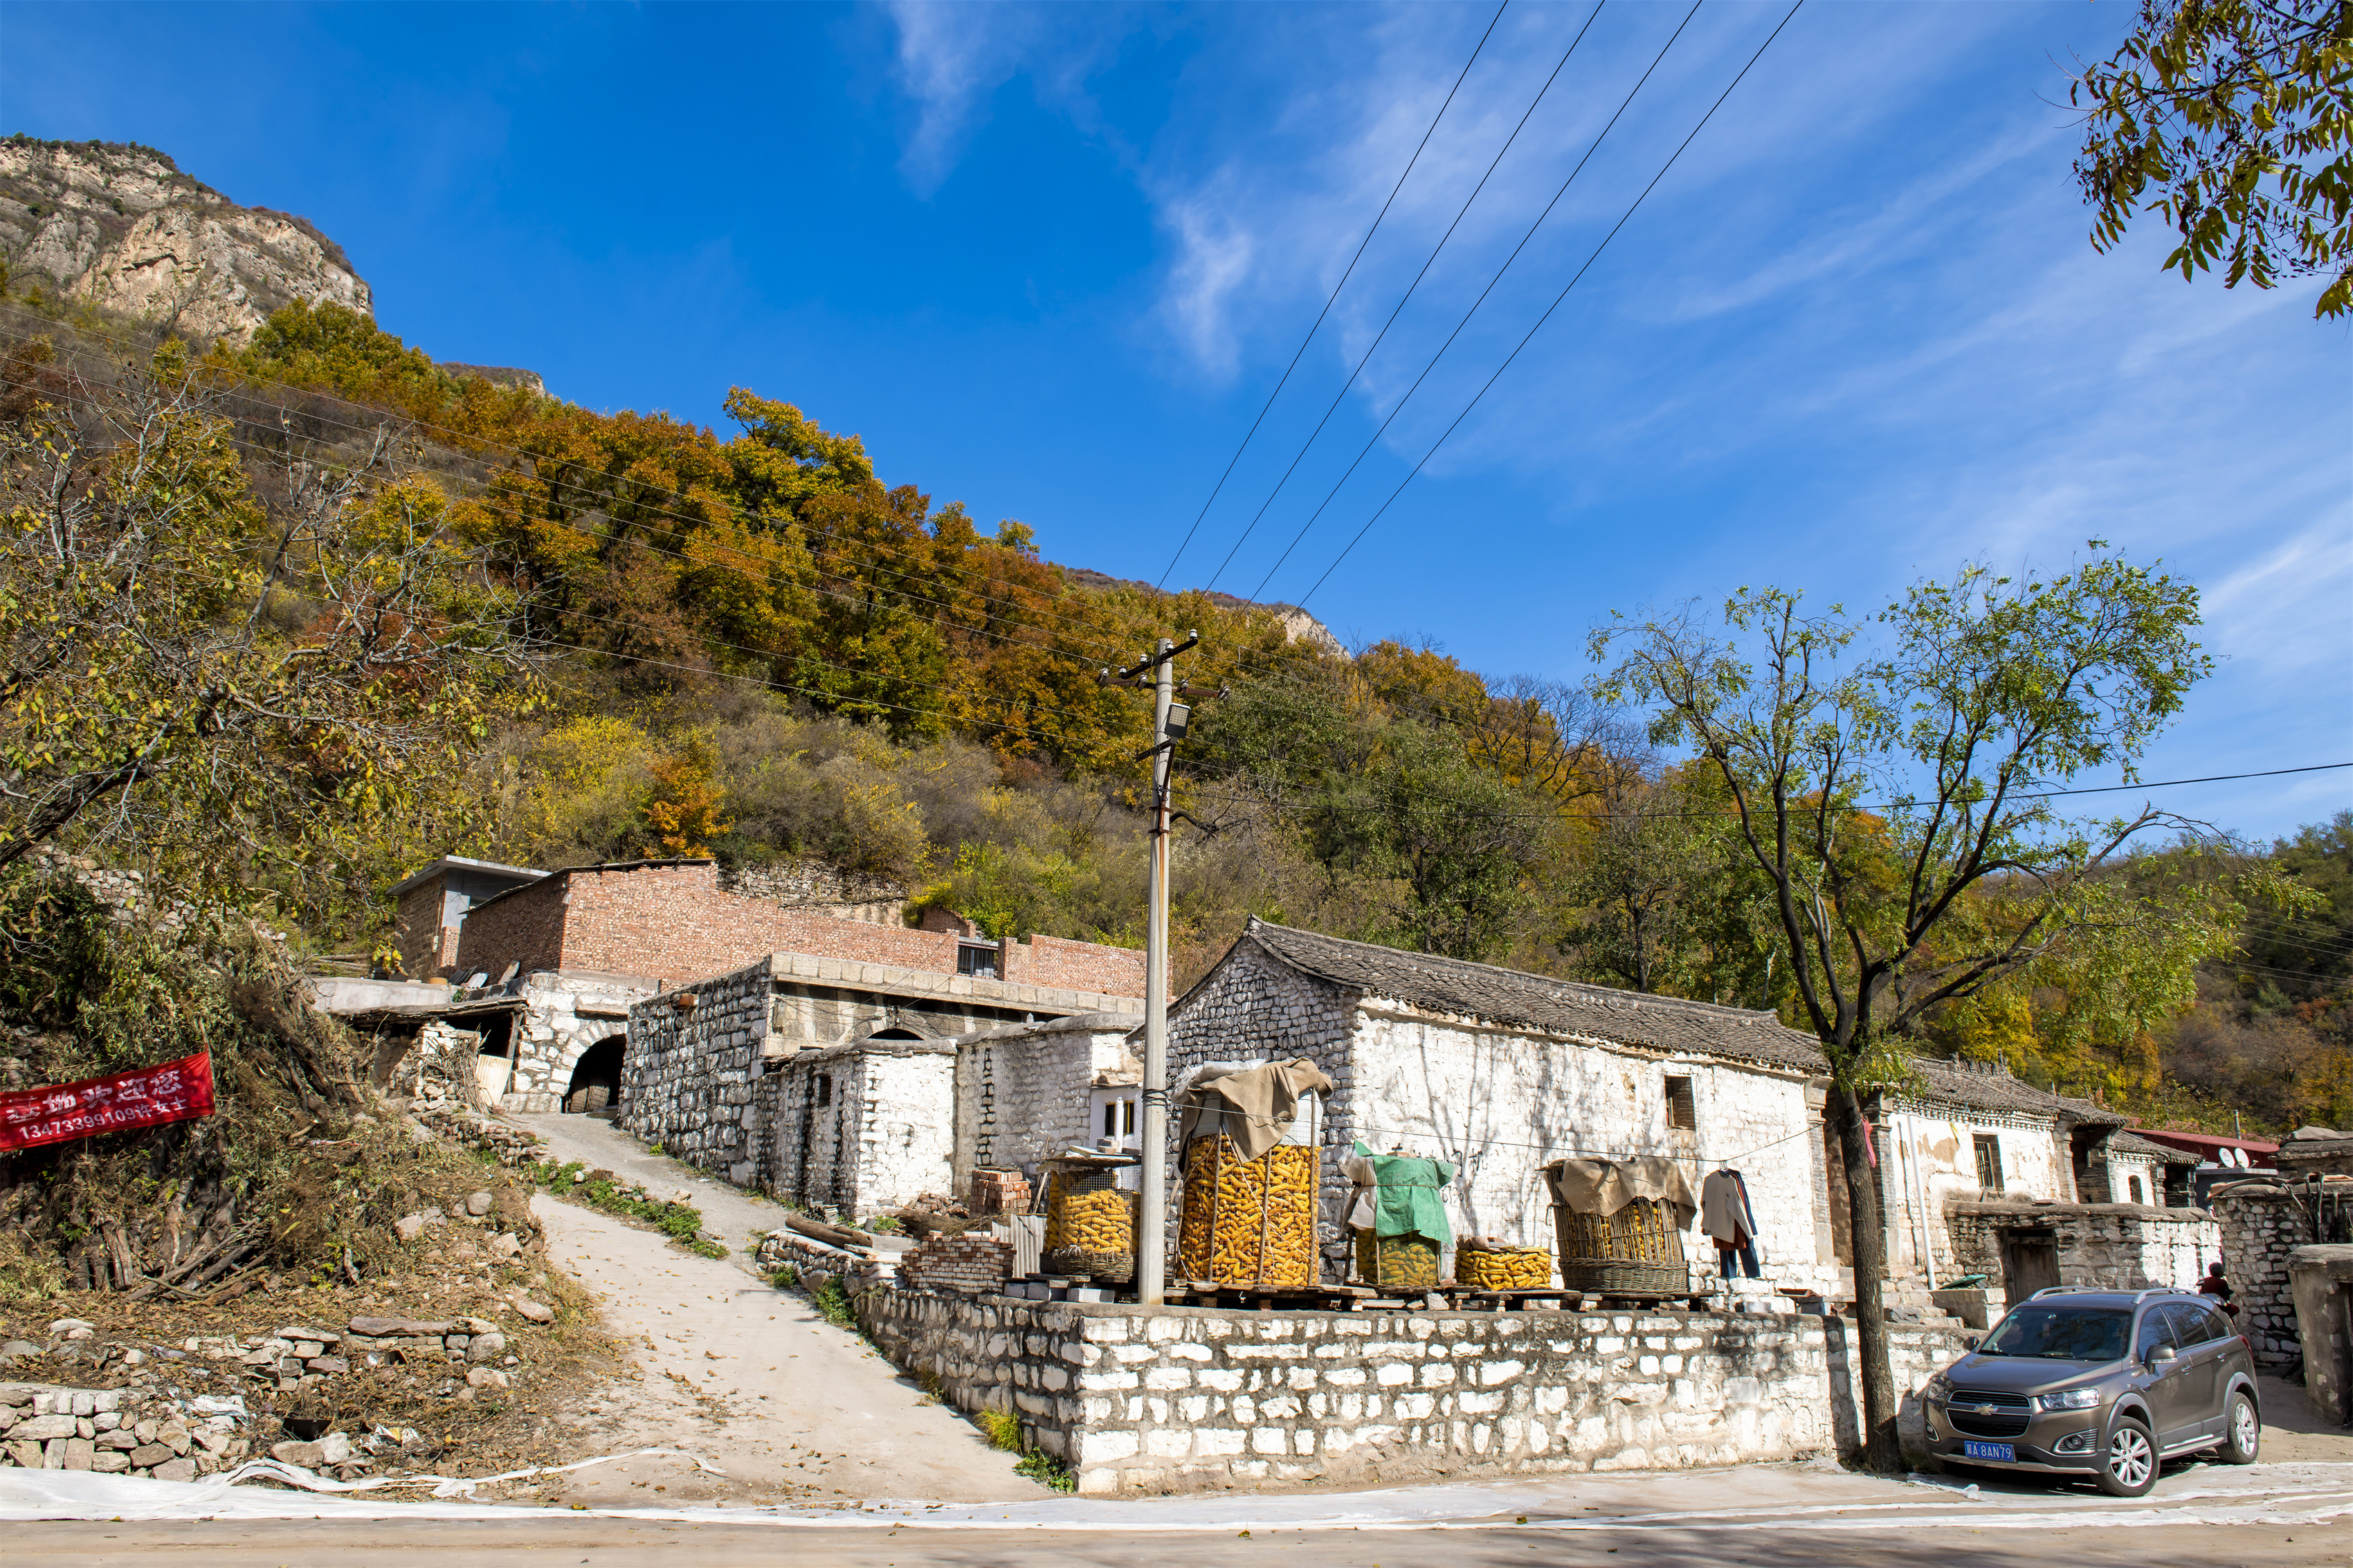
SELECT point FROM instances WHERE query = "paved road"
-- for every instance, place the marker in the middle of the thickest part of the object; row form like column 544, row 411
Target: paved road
column 1773, row 1516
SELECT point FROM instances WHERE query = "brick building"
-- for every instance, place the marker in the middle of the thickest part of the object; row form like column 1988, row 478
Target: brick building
column 579, row 947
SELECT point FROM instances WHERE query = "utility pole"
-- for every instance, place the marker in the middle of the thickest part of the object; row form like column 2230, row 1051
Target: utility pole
column 1170, row 721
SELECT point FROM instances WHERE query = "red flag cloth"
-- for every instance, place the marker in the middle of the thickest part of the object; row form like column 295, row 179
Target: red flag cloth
column 176, row 1091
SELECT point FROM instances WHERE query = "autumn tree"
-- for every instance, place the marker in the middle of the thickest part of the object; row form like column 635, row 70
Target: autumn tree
column 249, row 680
column 1893, row 798
column 2232, row 120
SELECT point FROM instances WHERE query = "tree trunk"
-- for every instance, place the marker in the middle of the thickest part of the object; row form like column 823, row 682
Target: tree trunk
column 1882, row 1451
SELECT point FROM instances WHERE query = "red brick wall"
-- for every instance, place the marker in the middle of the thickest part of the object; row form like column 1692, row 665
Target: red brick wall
column 525, row 927
column 1066, row 965
column 424, row 947
column 672, row 923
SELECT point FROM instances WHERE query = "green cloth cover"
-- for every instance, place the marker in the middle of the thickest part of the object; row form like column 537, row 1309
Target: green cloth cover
column 1403, row 1191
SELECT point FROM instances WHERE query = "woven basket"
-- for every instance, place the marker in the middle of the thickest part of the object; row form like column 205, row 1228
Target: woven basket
column 1502, row 1268
column 1637, row 1251
column 1248, row 1223
column 1396, row 1262
column 1079, row 1263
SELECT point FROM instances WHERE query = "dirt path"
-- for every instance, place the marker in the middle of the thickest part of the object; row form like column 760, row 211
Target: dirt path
column 791, row 1407
column 729, row 1212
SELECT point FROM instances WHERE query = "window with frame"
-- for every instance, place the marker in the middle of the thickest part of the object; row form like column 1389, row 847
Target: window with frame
column 824, row 1089
column 1988, row 1149
column 1683, row 1110
column 2139, row 1194
column 977, row 959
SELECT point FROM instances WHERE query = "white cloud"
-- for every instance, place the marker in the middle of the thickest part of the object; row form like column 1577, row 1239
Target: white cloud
column 951, row 59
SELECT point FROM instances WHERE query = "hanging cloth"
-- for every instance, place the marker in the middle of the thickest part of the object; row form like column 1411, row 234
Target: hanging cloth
column 1396, row 1195
column 1604, row 1186
column 1252, row 1107
column 1724, row 1209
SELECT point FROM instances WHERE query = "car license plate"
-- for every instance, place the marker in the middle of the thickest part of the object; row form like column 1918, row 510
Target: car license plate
column 2007, row 1453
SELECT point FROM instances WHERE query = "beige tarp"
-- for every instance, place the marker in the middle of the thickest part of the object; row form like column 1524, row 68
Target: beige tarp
column 1258, row 1104
column 1605, row 1186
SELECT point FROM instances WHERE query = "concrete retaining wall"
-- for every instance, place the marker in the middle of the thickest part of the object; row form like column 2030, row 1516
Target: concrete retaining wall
column 1181, row 1399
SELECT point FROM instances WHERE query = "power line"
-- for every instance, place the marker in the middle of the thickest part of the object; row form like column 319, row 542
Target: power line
column 1430, row 261
column 1465, row 321
column 1332, row 297
column 1555, row 305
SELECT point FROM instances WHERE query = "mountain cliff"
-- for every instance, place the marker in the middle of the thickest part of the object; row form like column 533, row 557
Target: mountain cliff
column 119, row 225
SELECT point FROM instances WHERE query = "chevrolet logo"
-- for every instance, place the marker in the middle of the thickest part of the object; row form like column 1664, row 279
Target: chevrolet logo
column 1988, row 1409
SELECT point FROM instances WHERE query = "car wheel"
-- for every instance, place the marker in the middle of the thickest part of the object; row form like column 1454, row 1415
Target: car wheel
column 2130, row 1466
column 2243, row 1431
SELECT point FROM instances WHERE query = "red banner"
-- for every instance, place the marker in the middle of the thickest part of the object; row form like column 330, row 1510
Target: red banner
column 176, row 1091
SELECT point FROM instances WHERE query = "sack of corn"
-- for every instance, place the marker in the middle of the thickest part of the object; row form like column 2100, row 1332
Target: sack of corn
column 1396, row 1262
column 1247, row 1222
column 1492, row 1265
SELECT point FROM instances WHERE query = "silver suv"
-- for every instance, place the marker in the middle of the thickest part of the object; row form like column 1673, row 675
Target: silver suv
column 2102, row 1384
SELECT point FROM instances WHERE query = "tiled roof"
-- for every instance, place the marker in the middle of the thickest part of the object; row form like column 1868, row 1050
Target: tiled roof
column 1512, row 996
column 2134, row 1143
column 1993, row 1089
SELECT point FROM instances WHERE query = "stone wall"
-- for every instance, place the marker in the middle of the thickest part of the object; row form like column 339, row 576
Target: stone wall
column 1022, row 1091
column 687, row 1078
column 2261, row 1222
column 860, row 1128
column 2320, row 1279
column 814, row 884
column 1500, row 1103
column 1180, row 1400
column 2123, row 1246
column 563, row 1016
column 1251, row 1006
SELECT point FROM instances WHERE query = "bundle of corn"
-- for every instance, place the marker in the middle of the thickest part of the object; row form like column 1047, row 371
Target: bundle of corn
column 1090, row 1225
column 1396, row 1262
column 1247, row 1222
column 1498, row 1266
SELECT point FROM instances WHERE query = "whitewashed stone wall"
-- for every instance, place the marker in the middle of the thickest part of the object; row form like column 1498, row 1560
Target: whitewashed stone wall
column 564, row 1014
column 1025, row 1091
column 864, row 1127
column 1501, row 1104
column 2124, row 1166
column 1187, row 1400
column 2120, row 1246
column 688, row 1082
column 1929, row 1163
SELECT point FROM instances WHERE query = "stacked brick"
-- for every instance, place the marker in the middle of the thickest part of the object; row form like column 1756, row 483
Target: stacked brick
column 670, row 921
column 1000, row 1192
column 967, row 1263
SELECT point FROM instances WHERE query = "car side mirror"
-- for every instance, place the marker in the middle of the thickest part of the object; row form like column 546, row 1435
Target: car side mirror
column 1970, row 1342
column 2159, row 1354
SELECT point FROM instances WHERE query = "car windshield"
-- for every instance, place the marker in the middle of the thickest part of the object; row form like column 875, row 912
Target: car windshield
column 2062, row 1333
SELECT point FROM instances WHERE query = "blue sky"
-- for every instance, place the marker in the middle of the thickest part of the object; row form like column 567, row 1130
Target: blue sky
column 1049, row 261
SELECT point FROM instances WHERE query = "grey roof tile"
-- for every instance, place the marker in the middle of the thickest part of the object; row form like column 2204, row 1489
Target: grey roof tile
column 1512, row 996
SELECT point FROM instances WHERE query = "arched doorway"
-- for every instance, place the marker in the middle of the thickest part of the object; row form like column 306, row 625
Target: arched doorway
column 895, row 1034
column 596, row 1078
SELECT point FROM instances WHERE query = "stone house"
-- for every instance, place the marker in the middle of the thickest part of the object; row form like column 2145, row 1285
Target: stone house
column 833, row 1082
column 1499, row 1072
column 1982, row 1174
column 580, row 946
column 1024, row 1091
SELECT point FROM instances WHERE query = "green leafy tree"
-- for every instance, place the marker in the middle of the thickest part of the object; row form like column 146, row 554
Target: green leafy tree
column 2233, row 121
column 1986, row 691
column 247, row 687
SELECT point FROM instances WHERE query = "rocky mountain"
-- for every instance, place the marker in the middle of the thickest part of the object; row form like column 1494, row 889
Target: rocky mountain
column 119, row 225
column 1297, row 624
